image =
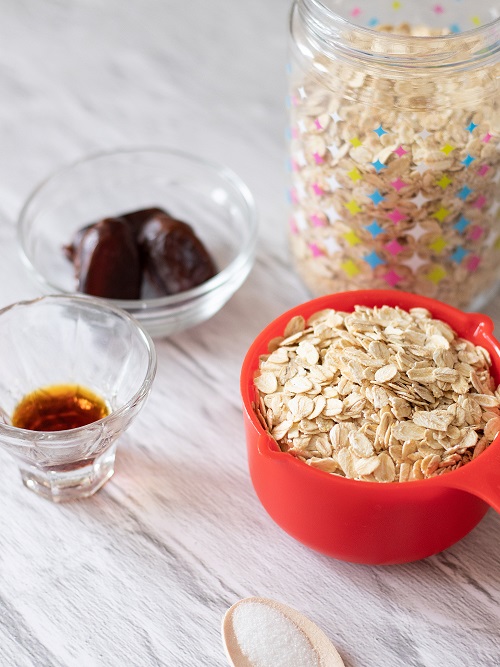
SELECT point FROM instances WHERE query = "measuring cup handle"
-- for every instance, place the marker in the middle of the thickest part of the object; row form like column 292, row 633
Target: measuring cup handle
column 481, row 478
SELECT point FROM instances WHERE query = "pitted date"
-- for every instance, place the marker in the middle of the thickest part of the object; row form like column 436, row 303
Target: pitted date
column 117, row 257
column 107, row 261
column 174, row 257
column 137, row 219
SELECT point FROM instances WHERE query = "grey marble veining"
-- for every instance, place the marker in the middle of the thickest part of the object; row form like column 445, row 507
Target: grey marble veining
column 141, row 574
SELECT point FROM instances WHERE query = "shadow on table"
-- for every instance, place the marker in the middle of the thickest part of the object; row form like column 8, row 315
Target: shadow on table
column 439, row 596
column 166, row 493
column 175, row 506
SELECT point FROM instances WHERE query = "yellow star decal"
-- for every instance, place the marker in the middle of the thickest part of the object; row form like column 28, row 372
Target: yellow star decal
column 356, row 142
column 441, row 214
column 354, row 175
column 353, row 206
column 352, row 238
column 444, row 182
column 350, row 268
column 436, row 275
column 438, row 245
column 447, row 149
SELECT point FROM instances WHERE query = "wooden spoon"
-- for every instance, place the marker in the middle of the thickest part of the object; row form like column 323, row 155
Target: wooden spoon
column 250, row 625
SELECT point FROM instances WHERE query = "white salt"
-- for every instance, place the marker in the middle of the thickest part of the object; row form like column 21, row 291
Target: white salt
column 267, row 638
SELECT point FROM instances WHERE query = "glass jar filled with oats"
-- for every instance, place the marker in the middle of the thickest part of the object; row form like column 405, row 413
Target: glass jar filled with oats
column 395, row 146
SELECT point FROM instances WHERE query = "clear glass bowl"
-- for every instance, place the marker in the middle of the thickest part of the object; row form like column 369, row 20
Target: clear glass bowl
column 210, row 197
column 71, row 340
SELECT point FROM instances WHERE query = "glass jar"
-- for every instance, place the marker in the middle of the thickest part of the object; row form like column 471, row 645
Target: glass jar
column 395, row 153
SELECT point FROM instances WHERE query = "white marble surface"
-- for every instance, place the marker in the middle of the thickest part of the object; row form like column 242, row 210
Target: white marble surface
column 142, row 573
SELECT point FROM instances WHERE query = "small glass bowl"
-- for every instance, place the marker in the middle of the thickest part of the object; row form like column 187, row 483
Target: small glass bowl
column 209, row 197
column 71, row 340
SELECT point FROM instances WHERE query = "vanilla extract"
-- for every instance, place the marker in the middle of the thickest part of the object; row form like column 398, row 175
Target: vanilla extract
column 58, row 408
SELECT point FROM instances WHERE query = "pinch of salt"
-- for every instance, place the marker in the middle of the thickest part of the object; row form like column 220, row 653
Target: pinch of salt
column 268, row 638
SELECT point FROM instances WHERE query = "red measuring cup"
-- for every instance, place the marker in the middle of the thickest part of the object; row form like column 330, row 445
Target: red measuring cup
column 369, row 522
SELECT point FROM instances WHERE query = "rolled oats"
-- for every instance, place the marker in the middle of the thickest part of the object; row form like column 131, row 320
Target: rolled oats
column 344, row 397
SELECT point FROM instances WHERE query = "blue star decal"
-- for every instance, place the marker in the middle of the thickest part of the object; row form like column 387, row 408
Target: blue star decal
column 464, row 193
column 376, row 197
column 374, row 228
column 459, row 254
column 373, row 22
column 455, row 28
column 468, row 160
column 380, row 165
column 373, row 260
column 380, row 131
column 462, row 224
column 470, row 128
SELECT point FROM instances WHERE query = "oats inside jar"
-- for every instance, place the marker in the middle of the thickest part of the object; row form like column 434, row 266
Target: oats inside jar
column 395, row 174
column 379, row 394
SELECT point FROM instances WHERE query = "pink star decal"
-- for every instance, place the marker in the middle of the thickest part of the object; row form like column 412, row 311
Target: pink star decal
column 394, row 247
column 293, row 226
column 316, row 251
column 487, row 138
column 438, row 9
column 295, row 166
column 396, row 216
column 317, row 189
column 473, row 263
column 317, row 221
column 317, row 158
column 480, row 202
column 295, row 133
column 400, row 151
column 356, row 11
column 294, row 196
column 483, row 170
column 318, row 124
column 392, row 278
column 476, row 233
column 398, row 184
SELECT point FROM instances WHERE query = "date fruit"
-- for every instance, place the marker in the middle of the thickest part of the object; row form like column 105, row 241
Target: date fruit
column 137, row 219
column 174, row 257
column 107, row 261
column 114, row 257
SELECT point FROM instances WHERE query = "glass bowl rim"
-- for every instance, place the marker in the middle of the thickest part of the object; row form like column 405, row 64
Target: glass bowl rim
column 247, row 248
column 50, row 438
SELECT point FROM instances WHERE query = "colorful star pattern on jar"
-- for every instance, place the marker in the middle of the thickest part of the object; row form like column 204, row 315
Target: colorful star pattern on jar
column 407, row 203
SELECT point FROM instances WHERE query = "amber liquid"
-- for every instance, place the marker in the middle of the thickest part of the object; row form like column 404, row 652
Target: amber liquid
column 59, row 407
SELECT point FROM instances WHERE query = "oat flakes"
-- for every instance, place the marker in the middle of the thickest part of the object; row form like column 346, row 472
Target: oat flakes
column 345, row 393
column 395, row 181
